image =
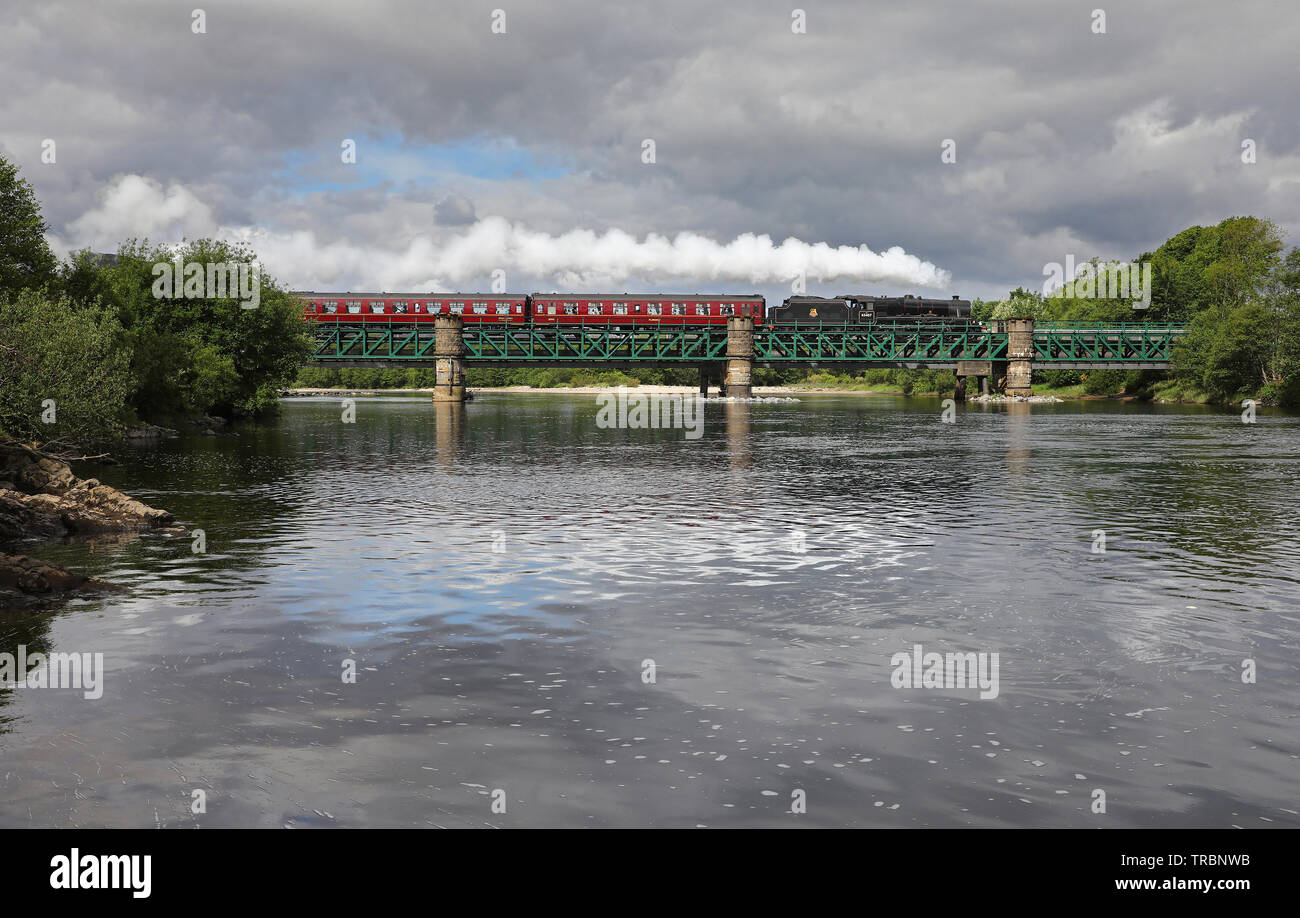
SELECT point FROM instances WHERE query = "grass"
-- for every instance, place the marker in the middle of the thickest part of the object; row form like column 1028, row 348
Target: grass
column 1074, row 391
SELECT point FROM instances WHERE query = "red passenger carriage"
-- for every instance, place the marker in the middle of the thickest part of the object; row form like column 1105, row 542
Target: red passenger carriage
column 379, row 308
column 641, row 309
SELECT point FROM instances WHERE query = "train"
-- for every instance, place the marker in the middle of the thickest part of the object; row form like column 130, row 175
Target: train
column 629, row 309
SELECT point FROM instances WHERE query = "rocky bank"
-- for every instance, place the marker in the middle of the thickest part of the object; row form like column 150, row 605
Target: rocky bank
column 40, row 498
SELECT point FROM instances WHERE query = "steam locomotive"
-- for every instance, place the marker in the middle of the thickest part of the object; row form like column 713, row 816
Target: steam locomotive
column 627, row 309
column 859, row 310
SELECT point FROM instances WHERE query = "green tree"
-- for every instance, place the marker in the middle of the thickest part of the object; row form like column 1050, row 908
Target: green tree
column 1020, row 304
column 196, row 354
column 25, row 258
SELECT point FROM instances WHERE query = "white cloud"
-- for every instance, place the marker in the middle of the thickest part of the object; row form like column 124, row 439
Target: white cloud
column 133, row 206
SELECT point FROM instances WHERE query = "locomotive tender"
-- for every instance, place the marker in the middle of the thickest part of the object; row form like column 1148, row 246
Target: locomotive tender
column 628, row 309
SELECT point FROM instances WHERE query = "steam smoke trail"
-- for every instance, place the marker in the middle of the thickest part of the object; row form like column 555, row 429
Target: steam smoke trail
column 582, row 258
column 134, row 206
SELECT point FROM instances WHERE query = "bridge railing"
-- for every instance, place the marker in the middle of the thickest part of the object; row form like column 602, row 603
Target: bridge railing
column 809, row 342
column 1097, row 325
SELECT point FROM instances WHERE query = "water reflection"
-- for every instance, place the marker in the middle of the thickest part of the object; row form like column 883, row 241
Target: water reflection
column 501, row 572
column 738, row 435
column 449, row 427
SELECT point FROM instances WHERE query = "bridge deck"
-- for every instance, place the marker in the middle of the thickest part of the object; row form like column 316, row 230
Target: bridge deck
column 1056, row 345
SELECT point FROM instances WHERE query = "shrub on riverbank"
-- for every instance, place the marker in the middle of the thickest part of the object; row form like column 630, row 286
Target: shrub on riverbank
column 64, row 369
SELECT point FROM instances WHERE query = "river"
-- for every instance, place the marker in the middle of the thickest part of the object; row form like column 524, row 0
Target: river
column 554, row 624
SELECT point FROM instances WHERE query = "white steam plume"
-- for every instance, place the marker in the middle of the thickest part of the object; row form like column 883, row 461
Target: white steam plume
column 135, row 206
column 582, row 258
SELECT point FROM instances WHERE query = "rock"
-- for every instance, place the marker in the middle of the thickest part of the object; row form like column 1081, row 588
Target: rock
column 150, row 432
column 47, row 500
column 25, row 581
column 18, row 520
column 30, row 472
column 996, row 398
column 100, row 509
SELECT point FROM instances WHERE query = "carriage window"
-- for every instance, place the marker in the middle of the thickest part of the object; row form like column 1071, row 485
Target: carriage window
column 457, row 308
column 480, row 309
column 726, row 310
column 679, row 309
column 701, row 309
column 570, row 309
column 550, row 309
column 593, row 309
column 653, row 309
column 620, row 309
column 354, row 306
column 399, row 306
column 331, row 306
column 376, row 306
column 503, row 309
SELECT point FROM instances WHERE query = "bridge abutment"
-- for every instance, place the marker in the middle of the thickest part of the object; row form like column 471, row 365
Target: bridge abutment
column 740, row 357
column 449, row 359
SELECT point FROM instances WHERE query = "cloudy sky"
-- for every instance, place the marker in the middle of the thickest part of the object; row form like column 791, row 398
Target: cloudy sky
column 518, row 143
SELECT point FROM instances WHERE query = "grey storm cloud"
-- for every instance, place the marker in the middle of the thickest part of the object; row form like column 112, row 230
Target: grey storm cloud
column 1067, row 141
column 454, row 210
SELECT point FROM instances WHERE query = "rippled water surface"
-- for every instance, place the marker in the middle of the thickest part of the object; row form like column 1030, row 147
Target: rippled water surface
column 502, row 573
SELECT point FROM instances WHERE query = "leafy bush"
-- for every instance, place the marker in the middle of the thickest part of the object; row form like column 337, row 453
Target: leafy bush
column 64, row 369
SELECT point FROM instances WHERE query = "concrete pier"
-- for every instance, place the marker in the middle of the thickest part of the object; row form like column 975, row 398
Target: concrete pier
column 980, row 369
column 740, row 356
column 449, row 360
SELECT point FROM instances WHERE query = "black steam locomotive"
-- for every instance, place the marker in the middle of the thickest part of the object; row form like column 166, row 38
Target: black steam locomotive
column 866, row 310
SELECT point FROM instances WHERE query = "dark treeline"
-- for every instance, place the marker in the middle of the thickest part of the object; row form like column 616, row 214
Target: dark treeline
column 87, row 348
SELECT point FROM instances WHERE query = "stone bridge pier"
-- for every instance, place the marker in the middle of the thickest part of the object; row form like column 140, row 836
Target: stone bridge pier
column 1020, row 356
column 740, row 357
column 448, row 359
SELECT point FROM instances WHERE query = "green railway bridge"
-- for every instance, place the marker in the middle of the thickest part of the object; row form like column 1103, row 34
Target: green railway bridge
column 1000, row 353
